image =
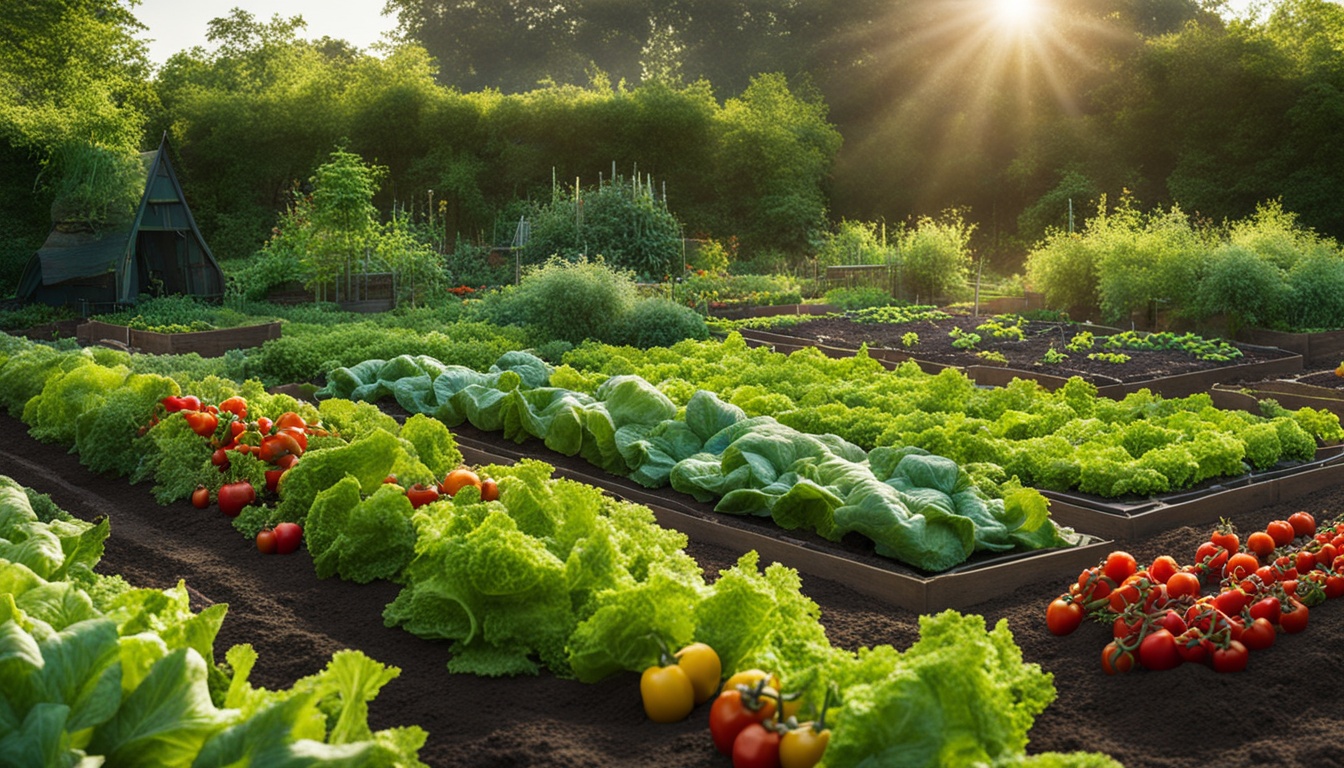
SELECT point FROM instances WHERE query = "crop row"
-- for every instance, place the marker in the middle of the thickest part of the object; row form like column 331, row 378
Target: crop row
column 920, row 509
column 553, row 573
column 1069, row 439
column 96, row 669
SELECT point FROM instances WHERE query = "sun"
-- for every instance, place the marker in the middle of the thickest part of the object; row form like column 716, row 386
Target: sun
column 1017, row 14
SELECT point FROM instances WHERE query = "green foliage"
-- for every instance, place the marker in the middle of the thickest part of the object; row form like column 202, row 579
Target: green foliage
column 658, row 322
column 1064, row 269
column 860, row 297
column 570, row 301
column 855, row 242
column 1240, row 284
column 622, row 222
column 935, row 257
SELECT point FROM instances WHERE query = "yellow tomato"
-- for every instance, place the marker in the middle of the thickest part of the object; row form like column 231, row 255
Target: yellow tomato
column 750, row 677
column 667, row 693
column 802, row 747
column 703, row 667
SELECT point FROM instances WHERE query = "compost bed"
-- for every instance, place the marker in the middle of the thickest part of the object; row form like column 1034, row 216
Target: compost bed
column 1283, row 710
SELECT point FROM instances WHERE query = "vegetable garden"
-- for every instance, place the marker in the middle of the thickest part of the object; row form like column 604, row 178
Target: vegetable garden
column 514, row 608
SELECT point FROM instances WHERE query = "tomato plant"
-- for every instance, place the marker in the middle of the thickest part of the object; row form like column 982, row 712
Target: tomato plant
column 288, row 536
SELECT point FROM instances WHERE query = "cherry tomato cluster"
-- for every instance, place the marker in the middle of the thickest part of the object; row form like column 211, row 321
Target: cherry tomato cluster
column 457, row 478
column 1161, row 616
column 755, row 724
column 279, row 443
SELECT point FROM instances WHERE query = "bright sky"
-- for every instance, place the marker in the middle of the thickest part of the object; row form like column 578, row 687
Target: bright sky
column 176, row 25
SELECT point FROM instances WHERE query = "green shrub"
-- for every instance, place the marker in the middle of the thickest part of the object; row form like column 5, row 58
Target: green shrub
column 1316, row 289
column 570, row 301
column 855, row 242
column 935, row 257
column 1248, row 289
column 658, row 322
column 623, row 222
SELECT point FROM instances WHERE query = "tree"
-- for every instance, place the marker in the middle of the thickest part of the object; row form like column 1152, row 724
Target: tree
column 343, row 219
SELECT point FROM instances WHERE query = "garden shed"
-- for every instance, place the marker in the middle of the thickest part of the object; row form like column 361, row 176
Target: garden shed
column 160, row 252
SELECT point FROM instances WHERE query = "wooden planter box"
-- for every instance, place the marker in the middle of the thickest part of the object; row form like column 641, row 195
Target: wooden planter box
column 1179, row 385
column 971, row 583
column 1121, row 521
column 203, row 343
column 1289, row 394
column 1323, row 349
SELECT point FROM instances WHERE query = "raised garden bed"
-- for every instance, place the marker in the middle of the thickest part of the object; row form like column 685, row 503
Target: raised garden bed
column 1125, row 520
column 1323, row 349
column 1303, row 392
column 850, row 561
column 204, row 343
column 1170, row 373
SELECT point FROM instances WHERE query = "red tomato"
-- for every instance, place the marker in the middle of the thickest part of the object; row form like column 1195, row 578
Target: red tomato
column 1232, row 658
column 266, row 541
column 1063, row 616
column 1158, row 651
column 1172, row 622
column 1115, row 661
column 287, row 461
column 1261, row 543
column 273, row 479
column 220, row 458
column 1266, row 608
column 203, row 424
column 234, row 496
column 1268, row 574
column 458, row 479
column 287, row 538
column 489, row 489
column 1226, row 538
column 290, row 419
column 1303, row 524
column 1281, row 531
column 1119, row 566
column 1183, row 584
column 1230, row 601
column 1334, row 585
column 235, row 405
column 1240, row 565
column 1192, row 646
column 421, row 494
column 200, row 498
column 1259, row 634
column 1211, row 556
column 1123, row 597
column 264, row 425
column 1293, row 618
column 756, row 747
column 1163, row 568
column 729, row 715
column 1304, row 561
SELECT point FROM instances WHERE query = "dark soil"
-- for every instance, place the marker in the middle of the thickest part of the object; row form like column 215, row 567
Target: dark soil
column 1283, row 710
column 1324, row 379
column 1028, row 354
